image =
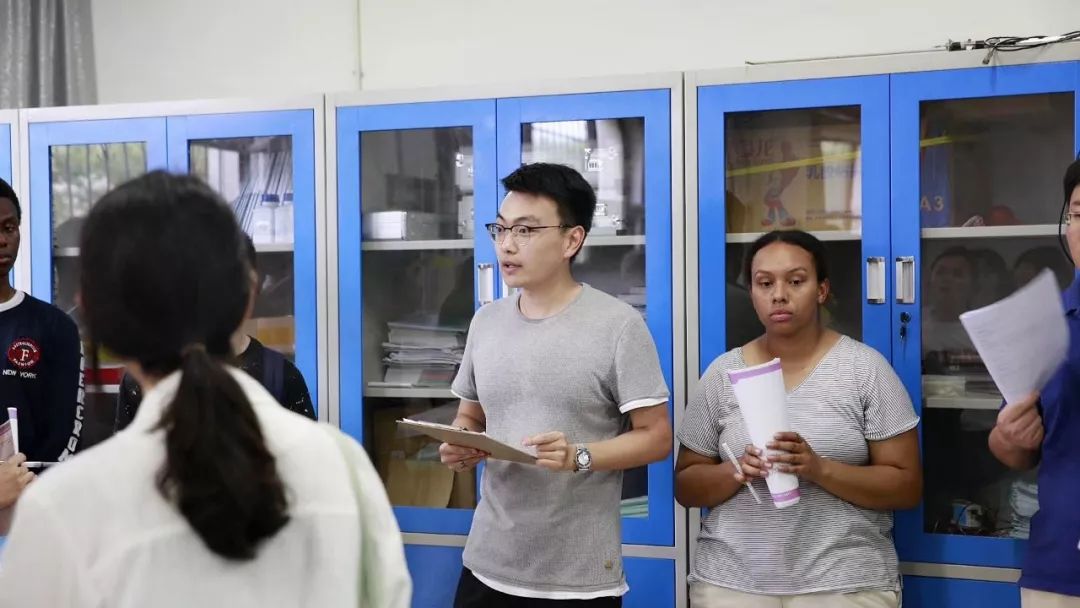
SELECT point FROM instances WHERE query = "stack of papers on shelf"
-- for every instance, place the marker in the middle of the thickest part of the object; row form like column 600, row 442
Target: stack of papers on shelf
column 405, row 354
column 635, row 507
column 422, row 354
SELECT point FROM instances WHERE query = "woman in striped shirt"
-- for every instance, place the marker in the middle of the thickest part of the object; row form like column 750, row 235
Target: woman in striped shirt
column 854, row 447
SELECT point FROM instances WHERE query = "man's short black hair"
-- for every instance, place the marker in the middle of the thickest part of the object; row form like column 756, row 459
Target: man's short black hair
column 573, row 196
column 6, row 191
column 1072, row 179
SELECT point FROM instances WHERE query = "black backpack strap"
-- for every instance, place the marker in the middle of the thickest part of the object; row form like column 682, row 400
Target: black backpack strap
column 274, row 373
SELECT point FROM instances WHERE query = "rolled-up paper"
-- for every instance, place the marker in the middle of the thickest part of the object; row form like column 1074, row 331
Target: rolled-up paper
column 763, row 403
column 13, row 417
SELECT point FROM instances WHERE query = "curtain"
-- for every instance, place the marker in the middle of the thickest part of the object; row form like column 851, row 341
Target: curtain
column 46, row 53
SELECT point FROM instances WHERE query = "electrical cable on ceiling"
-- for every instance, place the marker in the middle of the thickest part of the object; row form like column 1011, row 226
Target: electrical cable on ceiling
column 1009, row 44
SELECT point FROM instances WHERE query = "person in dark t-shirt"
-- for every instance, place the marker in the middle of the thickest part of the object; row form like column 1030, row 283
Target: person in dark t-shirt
column 276, row 373
column 41, row 370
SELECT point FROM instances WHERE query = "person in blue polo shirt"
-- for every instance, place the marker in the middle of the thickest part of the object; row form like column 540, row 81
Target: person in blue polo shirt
column 1044, row 430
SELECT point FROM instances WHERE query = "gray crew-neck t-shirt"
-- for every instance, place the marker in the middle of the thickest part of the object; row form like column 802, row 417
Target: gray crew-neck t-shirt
column 579, row 372
column 823, row 543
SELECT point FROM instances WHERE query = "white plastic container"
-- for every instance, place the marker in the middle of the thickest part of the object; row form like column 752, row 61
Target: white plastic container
column 262, row 220
column 283, row 220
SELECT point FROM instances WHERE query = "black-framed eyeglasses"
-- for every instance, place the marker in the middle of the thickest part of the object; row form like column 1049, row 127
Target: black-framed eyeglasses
column 520, row 232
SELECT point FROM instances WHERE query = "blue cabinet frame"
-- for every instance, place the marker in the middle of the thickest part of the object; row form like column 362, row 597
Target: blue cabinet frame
column 908, row 91
column 351, row 123
column 5, row 152
column 166, row 139
column 300, row 126
column 7, row 168
column 655, row 107
column 40, row 138
column 871, row 94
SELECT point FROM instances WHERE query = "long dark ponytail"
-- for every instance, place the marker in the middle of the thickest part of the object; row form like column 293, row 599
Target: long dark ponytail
column 165, row 283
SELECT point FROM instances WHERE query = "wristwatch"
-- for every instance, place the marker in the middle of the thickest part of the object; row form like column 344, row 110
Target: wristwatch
column 583, row 458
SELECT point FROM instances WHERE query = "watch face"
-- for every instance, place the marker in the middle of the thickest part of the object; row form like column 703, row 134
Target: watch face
column 583, row 459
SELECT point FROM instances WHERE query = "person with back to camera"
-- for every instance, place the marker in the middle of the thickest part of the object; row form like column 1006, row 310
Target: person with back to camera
column 214, row 495
column 275, row 372
column 853, row 444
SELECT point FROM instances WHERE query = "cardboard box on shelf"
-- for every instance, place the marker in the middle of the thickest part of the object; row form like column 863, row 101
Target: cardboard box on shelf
column 403, row 225
column 277, row 333
column 794, row 177
column 411, row 481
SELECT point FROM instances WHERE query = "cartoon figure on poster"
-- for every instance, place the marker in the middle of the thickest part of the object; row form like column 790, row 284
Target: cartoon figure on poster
column 776, row 183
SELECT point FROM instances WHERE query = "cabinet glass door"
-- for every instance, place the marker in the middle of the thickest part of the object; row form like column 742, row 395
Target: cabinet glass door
column 263, row 165
column 621, row 144
column 978, row 157
column 72, row 164
column 412, row 180
column 807, row 155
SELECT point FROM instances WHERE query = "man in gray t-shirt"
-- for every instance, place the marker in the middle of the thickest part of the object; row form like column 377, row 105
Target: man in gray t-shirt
column 572, row 373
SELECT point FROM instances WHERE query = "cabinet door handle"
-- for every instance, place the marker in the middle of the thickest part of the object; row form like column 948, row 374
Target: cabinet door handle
column 905, row 280
column 485, row 283
column 875, row 280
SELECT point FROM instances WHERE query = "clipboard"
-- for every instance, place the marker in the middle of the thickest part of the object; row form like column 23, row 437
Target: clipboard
column 469, row 439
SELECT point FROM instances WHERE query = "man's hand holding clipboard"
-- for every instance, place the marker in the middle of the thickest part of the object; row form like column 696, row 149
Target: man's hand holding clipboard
column 478, row 445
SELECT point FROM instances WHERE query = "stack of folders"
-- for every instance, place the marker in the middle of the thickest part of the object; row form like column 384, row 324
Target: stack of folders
column 635, row 507
column 422, row 355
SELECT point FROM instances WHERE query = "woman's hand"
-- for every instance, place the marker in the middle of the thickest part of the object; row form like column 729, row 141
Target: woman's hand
column 796, row 456
column 754, row 466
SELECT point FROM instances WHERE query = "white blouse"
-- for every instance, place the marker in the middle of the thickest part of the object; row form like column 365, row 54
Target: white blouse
column 94, row 531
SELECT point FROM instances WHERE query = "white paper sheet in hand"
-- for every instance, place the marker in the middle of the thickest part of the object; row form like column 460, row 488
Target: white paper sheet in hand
column 1022, row 339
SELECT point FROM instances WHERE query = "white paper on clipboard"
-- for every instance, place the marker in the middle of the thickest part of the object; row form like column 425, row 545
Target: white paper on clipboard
column 1022, row 339
column 470, row 439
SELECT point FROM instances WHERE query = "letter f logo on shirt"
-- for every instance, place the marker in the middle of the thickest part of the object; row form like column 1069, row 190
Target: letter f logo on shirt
column 24, row 353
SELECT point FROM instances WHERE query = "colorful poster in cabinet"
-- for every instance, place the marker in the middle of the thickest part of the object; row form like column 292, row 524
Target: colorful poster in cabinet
column 935, row 171
column 805, row 177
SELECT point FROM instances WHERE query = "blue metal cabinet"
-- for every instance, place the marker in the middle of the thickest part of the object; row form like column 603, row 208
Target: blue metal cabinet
column 416, row 182
column 977, row 157
column 268, row 156
column 6, row 169
column 927, row 592
column 411, row 180
column 73, row 162
column 71, row 165
column 821, row 144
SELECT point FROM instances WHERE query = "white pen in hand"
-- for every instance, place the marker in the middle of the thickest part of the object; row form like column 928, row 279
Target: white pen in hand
column 738, row 468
